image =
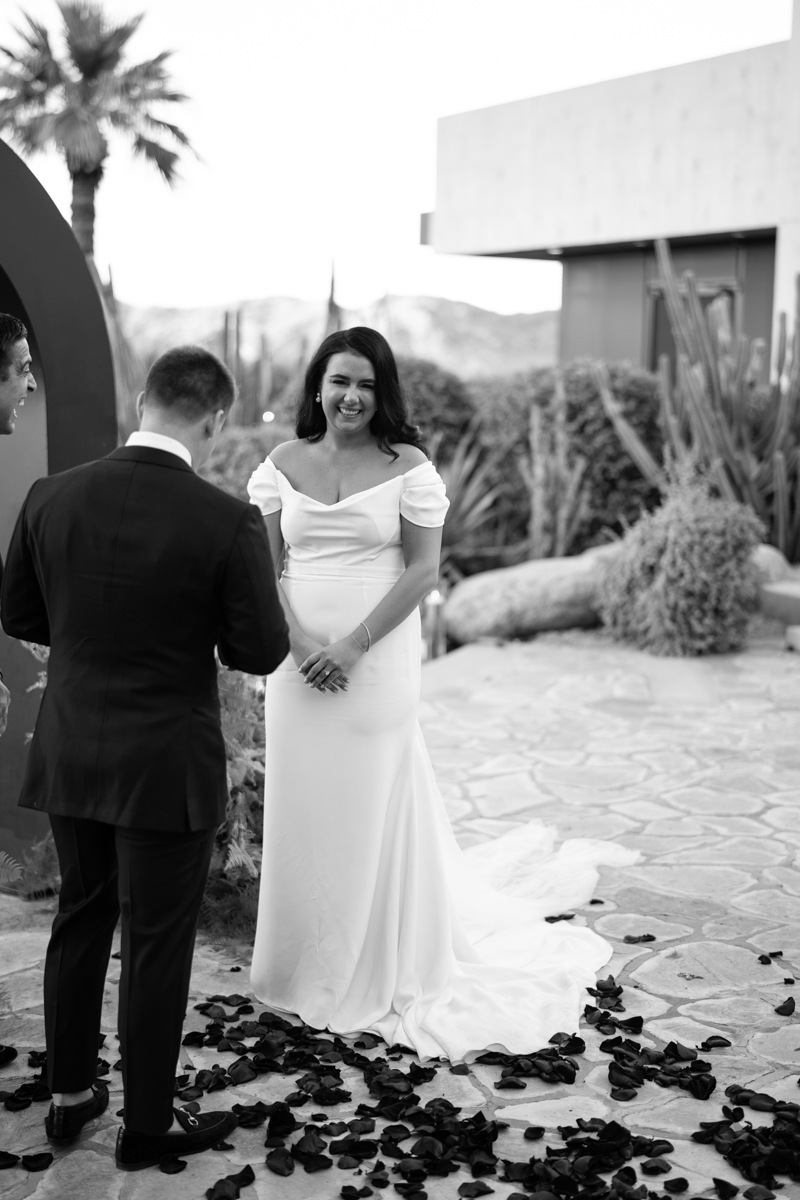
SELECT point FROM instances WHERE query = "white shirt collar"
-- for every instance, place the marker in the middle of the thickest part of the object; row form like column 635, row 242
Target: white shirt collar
column 159, row 441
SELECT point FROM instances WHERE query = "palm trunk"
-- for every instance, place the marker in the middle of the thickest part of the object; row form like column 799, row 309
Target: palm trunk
column 84, row 186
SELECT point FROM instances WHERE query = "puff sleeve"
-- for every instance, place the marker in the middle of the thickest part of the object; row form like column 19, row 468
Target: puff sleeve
column 263, row 488
column 423, row 500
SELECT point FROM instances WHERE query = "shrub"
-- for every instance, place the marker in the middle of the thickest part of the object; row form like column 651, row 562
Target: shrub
column 439, row 402
column 230, row 902
column 616, row 491
column 238, row 452
column 684, row 583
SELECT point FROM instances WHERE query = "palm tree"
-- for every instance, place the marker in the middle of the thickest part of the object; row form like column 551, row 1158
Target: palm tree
column 75, row 101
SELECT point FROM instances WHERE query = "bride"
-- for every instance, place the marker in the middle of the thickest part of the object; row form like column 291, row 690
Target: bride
column 370, row 916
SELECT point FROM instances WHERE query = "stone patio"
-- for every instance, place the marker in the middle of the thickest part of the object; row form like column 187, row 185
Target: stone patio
column 695, row 763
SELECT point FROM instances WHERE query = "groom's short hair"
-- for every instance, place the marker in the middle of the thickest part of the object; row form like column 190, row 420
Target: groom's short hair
column 190, row 383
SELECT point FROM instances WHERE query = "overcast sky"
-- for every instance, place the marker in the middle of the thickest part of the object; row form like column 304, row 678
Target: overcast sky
column 315, row 126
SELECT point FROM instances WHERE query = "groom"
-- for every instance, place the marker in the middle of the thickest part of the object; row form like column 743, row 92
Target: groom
column 133, row 569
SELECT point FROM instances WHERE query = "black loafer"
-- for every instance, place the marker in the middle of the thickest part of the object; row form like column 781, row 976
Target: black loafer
column 202, row 1131
column 64, row 1123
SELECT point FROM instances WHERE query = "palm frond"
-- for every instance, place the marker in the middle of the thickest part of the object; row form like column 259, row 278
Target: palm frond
column 154, row 123
column 95, row 47
column 162, row 158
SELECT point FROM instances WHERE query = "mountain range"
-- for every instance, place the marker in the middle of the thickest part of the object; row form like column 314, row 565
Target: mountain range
column 472, row 342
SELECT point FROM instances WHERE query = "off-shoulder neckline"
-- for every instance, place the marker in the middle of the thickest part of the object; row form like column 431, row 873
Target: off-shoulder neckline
column 345, row 499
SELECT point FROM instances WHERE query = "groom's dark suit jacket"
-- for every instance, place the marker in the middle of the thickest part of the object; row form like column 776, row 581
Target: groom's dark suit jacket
column 132, row 569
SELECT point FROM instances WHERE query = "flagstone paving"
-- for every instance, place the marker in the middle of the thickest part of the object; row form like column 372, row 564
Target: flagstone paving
column 695, row 763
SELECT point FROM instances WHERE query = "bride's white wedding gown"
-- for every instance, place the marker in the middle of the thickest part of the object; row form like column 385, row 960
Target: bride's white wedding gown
column 370, row 916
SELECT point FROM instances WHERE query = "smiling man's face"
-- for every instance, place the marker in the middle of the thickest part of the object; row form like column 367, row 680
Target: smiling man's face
column 18, row 383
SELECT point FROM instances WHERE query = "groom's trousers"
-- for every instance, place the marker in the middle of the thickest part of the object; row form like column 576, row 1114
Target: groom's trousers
column 155, row 881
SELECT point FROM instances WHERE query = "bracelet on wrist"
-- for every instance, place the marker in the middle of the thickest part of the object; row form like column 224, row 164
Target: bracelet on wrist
column 357, row 642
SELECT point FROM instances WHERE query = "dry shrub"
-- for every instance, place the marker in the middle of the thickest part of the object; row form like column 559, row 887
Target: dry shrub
column 684, row 583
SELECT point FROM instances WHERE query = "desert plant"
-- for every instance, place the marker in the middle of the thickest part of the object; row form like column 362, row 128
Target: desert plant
column 11, row 872
column 683, row 582
column 467, row 476
column 578, row 506
column 716, row 410
column 37, row 876
column 555, row 479
column 439, row 403
column 230, row 902
column 238, row 452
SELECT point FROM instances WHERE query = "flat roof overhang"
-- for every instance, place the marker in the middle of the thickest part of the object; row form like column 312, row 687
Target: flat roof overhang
column 554, row 253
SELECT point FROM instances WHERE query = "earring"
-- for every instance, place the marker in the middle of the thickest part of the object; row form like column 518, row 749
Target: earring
column 319, row 398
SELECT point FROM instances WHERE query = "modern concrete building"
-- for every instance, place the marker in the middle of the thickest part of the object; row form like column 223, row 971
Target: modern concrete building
column 706, row 154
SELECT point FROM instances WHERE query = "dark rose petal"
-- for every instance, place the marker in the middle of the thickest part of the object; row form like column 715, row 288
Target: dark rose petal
column 36, row 1162
column 7, row 1160
column 633, row 938
column 460, row 1069
column 222, row 1145
column 316, row 1162
column 476, row 1188
column 8, row 1054
column 251, row 1115
column 533, row 1133
column 223, row 1189
column 701, row 1086
column 280, row 1162
column 656, row 1166
column 676, row 1185
column 16, row 1103
column 172, row 1165
column 787, row 1008
column 242, row 1071
column 725, row 1190
column 244, row 1178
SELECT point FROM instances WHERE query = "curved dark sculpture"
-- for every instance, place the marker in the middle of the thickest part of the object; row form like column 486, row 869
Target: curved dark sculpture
column 61, row 307
column 71, row 419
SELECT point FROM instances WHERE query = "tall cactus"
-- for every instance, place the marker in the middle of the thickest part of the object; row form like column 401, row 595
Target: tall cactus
column 708, row 410
column 555, row 478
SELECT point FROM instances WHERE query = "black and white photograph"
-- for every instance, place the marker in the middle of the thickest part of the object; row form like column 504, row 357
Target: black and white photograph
column 399, row 599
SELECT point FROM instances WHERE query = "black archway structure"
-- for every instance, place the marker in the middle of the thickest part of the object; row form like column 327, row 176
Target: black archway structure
column 46, row 282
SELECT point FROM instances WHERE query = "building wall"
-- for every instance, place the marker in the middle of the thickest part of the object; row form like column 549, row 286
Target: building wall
column 609, row 306
column 689, row 150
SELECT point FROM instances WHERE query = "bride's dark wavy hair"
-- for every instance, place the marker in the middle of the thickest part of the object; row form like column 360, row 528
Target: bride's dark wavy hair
column 391, row 423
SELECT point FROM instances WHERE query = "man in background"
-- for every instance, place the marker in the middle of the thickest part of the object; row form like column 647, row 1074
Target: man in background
column 16, row 381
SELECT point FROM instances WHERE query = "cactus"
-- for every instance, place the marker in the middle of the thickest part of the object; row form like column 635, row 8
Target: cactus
column 554, row 478
column 707, row 411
